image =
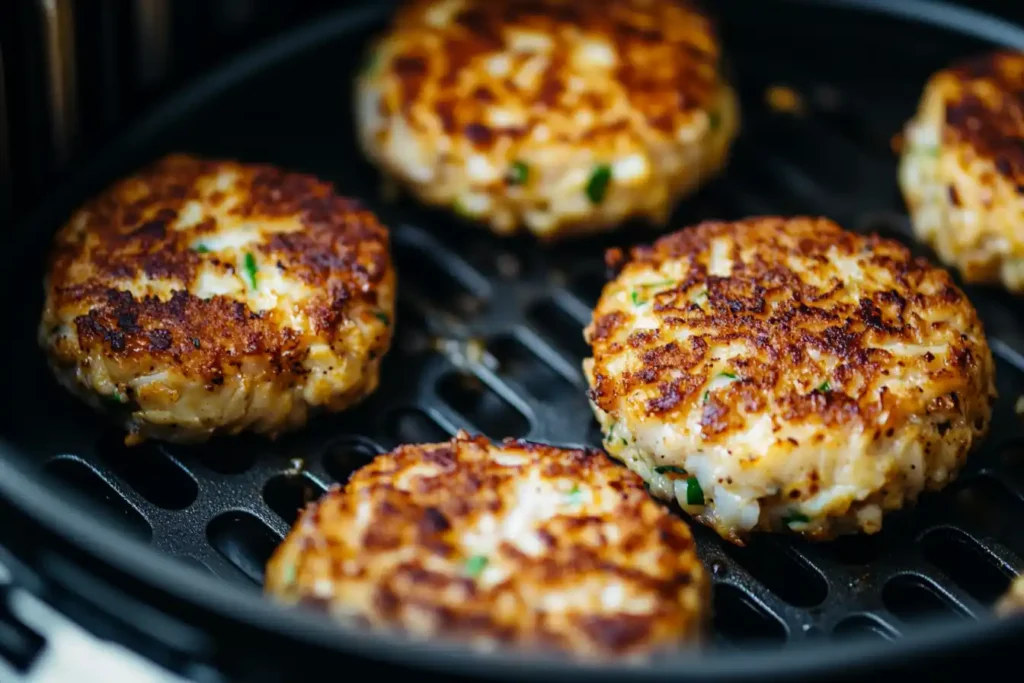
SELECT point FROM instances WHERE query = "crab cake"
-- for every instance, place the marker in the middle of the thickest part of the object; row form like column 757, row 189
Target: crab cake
column 550, row 116
column 510, row 543
column 202, row 296
column 1012, row 603
column 782, row 374
column 962, row 168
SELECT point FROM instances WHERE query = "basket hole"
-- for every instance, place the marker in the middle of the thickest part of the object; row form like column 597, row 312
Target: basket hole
column 912, row 598
column 989, row 508
column 430, row 281
column 857, row 550
column 409, row 425
column 560, row 328
column 479, row 404
column 345, row 456
column 861, row 626
column 288, row 494
column 537, row 377
column 105, row 500
column 227, row 456
column 738, row 618
column 588, row 285
column 966, row 564
column 781, row 571
column 244, row 541
column 153, row 475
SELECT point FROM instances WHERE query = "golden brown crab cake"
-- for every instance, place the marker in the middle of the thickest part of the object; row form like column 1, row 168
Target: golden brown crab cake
column 205, row 296
column 784, row 374
column 962, row 168
column 511, row 543
column 551, row 116
column 1012, row 603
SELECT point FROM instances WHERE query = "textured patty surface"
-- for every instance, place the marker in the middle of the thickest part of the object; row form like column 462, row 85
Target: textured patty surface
column 513, row 544
column 202, row 296
column 784, row 374
column 553, row 116
column 962, row 168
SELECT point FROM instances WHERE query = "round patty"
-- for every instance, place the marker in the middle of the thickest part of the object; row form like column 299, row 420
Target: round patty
column 202, row 296
column 782, row 374
column 499, row 544
column 962, row 168
column 552, row 116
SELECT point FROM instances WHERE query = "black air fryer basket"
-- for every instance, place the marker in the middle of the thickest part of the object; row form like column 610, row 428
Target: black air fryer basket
column 162, row 548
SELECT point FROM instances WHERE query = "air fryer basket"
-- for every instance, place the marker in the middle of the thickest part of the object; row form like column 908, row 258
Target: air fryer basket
column 489, row 339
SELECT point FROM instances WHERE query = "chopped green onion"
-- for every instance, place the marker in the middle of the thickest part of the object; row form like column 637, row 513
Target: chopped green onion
column 730, row 375
column 662, row 469
column 795, row 518
column 250, row 268
column 475, row 565
column 825, row 386
column 707, row 395
column 597, row 186
column 702, row 295
column 575, row 495
column 116, row 397
column 518, row 173
column 383, row 317
column 635, row 294
column 694, row 493
column 202, row 248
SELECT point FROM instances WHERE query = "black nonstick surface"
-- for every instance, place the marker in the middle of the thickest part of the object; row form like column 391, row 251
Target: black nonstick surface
column 489, row 331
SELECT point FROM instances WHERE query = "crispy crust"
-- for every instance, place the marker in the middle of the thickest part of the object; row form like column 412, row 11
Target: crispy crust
column 390, row 550
column 124, row 274
column 784, row 315
column 648, row 36
column 458, row 94
column 827, row 333
column 985, row 109
column 962, row 168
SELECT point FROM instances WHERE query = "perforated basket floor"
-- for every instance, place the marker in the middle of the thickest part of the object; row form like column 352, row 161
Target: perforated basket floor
column 489, row 336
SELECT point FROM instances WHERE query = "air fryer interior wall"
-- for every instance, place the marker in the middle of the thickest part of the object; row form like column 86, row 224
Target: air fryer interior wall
column 489, row 331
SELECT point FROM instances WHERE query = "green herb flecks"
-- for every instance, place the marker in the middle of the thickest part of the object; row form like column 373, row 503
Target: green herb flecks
column 575, row 496
column 638, row 295
column 694, row 493
column 518, row 173
column 475, row 565
column 201, row 249
column 251, row 269
column 117, row 397
column 794, row 517
column 662, row 469
column 728, row 375
column 824, row 387
column 597, row 186
column 701, row 296
column 383, row 317
column 707, row 396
